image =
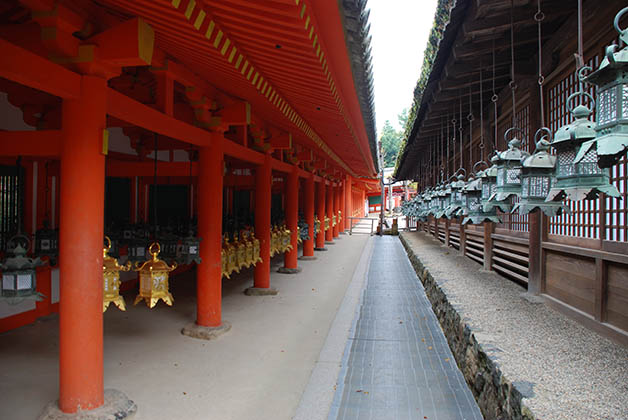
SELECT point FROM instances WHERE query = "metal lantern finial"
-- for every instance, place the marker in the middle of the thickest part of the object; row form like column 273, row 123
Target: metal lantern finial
column 584, row 179
column 19, row 278
column 611, row 79
column 154, row 275
column 111, row 278
column 536, row 180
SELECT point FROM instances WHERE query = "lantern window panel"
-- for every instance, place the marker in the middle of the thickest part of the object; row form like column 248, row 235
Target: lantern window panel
column 539, row 186
column 24, row 281
column 607, row 106
column 501, row 177
column 624, row 101
column 513, row 176
column 566, row 167
column 588, row 165
column 8, row 282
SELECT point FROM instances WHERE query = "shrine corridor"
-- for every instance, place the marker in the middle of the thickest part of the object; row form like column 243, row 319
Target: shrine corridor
column 398, row 363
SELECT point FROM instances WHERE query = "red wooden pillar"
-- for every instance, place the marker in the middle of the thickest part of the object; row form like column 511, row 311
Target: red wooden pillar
column 348, row 212
column 329, row 204
column 80, row 248
column 263, row 186
column 343, row 207
column 209, row 271
column 335, row 208
column 320, row 212
column 308, row 204
column 292, row 216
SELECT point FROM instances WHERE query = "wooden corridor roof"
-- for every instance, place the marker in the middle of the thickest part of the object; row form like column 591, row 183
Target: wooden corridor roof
column 287, row 58
column 475, row 31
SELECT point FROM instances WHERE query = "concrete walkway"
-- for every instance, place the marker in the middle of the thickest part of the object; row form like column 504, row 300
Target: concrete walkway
column 258, row 370
column 398, row 363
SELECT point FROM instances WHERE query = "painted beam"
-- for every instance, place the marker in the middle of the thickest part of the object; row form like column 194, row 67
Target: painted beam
column 30, row 143
column 24, row 67
column 134, row 112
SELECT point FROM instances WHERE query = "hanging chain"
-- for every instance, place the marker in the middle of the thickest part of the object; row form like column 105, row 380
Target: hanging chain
column 494, row 99
column 453, row 138
column 447, row 145
column 481, row 115
column 539, row 17
column 460, row 133
column 470, row 118
column 512, row 84
column 580, row 56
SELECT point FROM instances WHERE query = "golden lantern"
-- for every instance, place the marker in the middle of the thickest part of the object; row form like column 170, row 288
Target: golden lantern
column 250, row 258
column 286, row 244
column 154, row 278
column 111, row 278
column 339, row 216
column 299, row 239
column 333, row 221
column 240, row 246
column 232, row 259
column 326, row 223
column 274, row 241
column 317, row 226
column 223, row 263
column 256, row 248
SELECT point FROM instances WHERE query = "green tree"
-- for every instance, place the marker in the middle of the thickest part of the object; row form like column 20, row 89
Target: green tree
column 402, row 117
column 391, row 141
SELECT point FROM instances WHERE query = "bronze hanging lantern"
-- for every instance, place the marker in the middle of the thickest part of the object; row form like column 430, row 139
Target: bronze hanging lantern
column 47, row 242
column 455, row 202
column 474, row 193
column 154, row 284
column 488, row 178
column 19, row 276
column 537, row 176
column 584, row 179
column 508, row 164
column 611, row 79
column 188, row 250
column 111, row 278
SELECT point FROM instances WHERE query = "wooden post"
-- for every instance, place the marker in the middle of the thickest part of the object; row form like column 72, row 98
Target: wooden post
column 81, row 233
column 489, row 228
column 263, row 186
column 308, row 212
column 534, row 252
column 463, row 239
column 601, row 283
column 447, row 233
column 320, row 213
column 329, row 204
column 292, row 216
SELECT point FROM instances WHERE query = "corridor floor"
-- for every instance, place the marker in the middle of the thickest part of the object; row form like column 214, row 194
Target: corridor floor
column 397, row 364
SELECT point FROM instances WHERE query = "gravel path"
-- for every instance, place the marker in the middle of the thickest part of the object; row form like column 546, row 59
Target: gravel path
column 565, row 370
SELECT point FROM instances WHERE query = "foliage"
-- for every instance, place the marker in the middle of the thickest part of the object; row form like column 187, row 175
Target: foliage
column 441, row 19
column 391, row 140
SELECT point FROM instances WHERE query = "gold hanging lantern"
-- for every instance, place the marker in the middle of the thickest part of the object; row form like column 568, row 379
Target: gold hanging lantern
column 339, row 216
column 240, row 246
column 154, row 279
column 317, row 225
column 274, row 241
column 326, row 223
column 111, row 278
column 250, row 248
column 285, row 239
column 299, row 239
column 232, row 259
column 223, row 263
column 333, row 220
column 256, row 248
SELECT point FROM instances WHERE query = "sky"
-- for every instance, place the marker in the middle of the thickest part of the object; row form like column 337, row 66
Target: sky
column 400, row 29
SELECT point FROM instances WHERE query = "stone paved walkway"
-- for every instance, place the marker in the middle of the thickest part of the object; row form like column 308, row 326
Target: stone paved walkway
column 397, row 362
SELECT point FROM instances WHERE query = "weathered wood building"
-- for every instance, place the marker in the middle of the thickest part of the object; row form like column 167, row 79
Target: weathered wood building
column 493, row 65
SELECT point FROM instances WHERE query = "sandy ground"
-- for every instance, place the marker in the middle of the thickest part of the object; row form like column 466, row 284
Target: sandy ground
column 258, row 370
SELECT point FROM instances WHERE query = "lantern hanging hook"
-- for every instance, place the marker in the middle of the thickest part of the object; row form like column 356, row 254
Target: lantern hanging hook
column 480, row 162
column 574, row 95
column 541, row 131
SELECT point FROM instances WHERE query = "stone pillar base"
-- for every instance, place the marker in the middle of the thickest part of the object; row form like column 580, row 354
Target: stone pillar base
column 320, row 249
column 260, row 291
column 307, row 257
column 284, row 270
column 116, row 406
column 205, row 333
column 330, row 243
column 342, row 233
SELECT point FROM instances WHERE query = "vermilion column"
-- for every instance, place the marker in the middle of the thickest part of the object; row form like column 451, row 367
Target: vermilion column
column 292, row 210
column 80, row 248
column 329, row 207
column 209, row 271
column 308, row 211
column 262, row 222
column 335, row 208
column 343, row 207
column 320, row 212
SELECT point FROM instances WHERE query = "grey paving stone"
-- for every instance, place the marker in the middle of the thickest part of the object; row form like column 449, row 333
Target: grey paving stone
column 398, row 363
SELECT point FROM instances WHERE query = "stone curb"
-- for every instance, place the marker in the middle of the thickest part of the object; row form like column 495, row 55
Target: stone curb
column 497, row 397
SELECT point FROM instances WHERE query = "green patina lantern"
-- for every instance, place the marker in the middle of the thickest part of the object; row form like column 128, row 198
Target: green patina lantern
column 443, row 200
column 188, row 251
column 537, row 176
column 583, row 179
column 47, row 242
column 476, row 191
column 488, row 178
column 455, row 201
column 508, row 163
column 19, row 276
column 611, row 79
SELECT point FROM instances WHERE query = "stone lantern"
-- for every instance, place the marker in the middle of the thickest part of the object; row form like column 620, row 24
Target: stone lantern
column 19, row 277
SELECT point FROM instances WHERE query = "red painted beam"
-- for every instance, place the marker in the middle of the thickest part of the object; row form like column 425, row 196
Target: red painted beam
column 134, row 112
column 24, row 67
column 30, row 143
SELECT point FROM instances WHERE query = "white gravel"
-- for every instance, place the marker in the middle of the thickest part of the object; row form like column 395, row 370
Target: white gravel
column 572, row 372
